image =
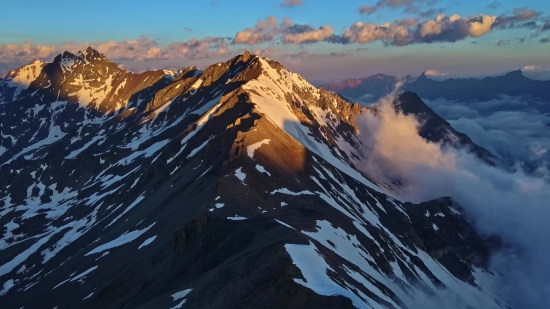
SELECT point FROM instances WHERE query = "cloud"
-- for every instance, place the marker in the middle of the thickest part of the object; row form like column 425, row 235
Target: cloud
column 544, row 40
column 435, row 73
column 309, row 35
column 266, row 53
column 304, row 53
column 401, row 32
column 511, row 205
column 506, row 126
column 410, row 31
column 263, row 31
column 428, row 13
column 25, row 52
column 453, row 28
column 396, row 33
column 366, row 9
column 503, row 42
column 441, row 29
column 536, row 72
column 142, row 49
column 270, row 30
column 392, row 4
column 494, row 5
column 518, row 19
column 292, row 3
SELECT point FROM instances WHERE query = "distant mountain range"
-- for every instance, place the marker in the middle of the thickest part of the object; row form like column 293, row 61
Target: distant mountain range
column 514, row 83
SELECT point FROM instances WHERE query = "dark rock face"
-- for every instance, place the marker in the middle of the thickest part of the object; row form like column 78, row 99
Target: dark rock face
column 229, row 188
column 436, row 129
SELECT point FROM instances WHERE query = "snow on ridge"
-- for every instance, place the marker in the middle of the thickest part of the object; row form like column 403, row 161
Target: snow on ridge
column 236, row 218
column 239, row 174
column 121, row 240
column 147, row 242
column 28, row 73
column 252, row 148
column 314, row 270
column 272, row 104
column 286, row 191
column 180, row 295
column 261, row 169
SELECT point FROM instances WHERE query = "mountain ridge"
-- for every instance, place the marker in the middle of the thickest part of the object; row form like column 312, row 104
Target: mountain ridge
column 228, row 187
column 513, row 83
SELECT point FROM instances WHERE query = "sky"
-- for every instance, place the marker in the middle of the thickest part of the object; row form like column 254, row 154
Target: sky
column 324, row 40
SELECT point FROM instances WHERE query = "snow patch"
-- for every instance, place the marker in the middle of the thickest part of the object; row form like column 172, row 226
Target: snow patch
column 148, row 241
column 252, row 148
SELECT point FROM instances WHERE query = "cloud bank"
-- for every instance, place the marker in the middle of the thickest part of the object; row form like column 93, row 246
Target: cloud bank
column 142, row 49
column 410, row 31
column 513, row 206
column 514, row 128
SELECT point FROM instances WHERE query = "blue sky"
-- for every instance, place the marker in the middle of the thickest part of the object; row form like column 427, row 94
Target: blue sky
column 71, row 25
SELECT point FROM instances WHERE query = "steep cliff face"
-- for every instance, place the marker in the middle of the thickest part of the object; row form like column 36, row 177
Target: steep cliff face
column 232, row 187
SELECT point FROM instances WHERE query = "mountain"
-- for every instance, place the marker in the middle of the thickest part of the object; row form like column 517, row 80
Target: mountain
column 514, row 83
column 367, row 89
column 232, row 187
column 435, row 129
column 471, row 89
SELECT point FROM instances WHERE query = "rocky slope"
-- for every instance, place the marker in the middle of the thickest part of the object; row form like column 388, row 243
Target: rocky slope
column 232, row 187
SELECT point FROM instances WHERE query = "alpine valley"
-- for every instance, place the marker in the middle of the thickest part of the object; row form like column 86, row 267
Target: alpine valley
column 240, row 186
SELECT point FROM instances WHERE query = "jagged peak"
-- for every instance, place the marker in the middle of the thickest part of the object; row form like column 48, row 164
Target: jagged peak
column 89, row 55
column 27, row 73
column 515, row 74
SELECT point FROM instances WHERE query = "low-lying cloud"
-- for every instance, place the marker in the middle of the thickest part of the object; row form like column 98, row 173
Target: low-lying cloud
column 514, row 128
column 435, row 73
column 511, row 205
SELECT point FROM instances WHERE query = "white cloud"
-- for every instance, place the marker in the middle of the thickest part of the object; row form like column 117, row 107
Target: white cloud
column 536, row 72
column 435, row 73
column 507, row 126
column 513, row 206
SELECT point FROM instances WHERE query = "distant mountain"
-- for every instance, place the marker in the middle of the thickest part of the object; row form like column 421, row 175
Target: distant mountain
column 471, row 89
column 514, row 83
column 233, row 187
column 436, row 129
column 366, row 88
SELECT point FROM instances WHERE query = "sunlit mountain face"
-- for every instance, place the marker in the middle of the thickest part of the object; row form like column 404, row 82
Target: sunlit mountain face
column 387, row 155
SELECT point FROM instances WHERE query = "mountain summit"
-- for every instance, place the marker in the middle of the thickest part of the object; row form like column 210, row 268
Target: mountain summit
column 232, row 187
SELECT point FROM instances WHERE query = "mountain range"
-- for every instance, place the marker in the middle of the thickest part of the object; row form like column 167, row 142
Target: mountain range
column 238, row 186
column 514, row 83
